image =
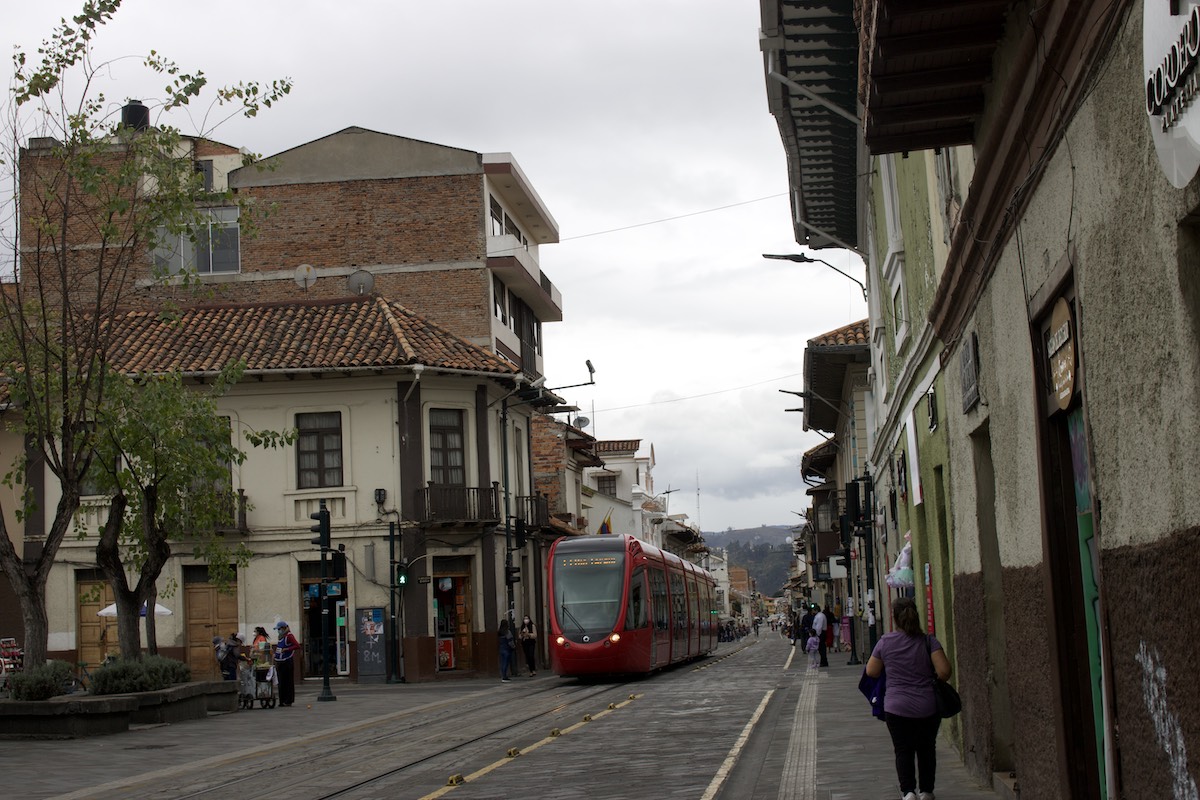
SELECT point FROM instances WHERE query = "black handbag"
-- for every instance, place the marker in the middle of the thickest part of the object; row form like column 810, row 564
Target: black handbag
column 946, row 696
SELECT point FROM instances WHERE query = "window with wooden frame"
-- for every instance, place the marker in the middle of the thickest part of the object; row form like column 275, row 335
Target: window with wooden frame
column 447, row 447
column 319, row 449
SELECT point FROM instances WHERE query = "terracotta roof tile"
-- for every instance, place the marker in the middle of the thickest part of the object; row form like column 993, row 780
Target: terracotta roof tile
column 311, row 336
column 856, row 333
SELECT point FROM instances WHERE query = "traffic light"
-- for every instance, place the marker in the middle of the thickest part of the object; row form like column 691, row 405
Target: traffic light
column 844, row 524
column 520, row 533
column 512, row 574
column 853, row 506
column 321, row 528
column 402, row 573
column 842, row 558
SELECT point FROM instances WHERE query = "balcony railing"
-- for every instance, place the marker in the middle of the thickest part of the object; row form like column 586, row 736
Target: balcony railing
column 534, row 510
column 459, row 504
column 233, row 511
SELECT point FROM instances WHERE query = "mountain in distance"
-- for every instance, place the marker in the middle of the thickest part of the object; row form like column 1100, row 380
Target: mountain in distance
column 763, row 534
column 764, row 552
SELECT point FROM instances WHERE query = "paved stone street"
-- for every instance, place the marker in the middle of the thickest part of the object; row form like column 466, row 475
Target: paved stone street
column 751, row 723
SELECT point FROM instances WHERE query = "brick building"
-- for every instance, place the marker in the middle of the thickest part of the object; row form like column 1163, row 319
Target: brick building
column 388, row 298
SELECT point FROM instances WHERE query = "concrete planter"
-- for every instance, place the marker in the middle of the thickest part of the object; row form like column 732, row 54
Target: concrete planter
column 74, row 717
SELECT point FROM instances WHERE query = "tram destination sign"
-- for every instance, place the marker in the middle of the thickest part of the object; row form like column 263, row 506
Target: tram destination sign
column 589, row 561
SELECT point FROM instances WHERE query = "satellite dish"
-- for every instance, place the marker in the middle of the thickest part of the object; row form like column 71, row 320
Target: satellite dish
column 582, row 422
column 306, row 275
column 361, row 282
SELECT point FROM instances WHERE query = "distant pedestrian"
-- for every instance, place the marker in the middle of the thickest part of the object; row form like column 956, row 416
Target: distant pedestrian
column 286, row 646
column 819, row 623
column 812, row 647
column 830, row 627
column 911, row 660
column 528, row 634
column 261, row 647
column 508, row 647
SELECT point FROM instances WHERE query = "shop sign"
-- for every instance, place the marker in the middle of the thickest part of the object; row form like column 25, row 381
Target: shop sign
column 1060, row 350
column 1170, row 52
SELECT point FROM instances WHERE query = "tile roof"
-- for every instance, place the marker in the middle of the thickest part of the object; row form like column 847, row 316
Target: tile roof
column 306, row 336
column 856, row 333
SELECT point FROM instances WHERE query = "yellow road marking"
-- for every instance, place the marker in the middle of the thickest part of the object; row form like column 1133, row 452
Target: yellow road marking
column 555, row 734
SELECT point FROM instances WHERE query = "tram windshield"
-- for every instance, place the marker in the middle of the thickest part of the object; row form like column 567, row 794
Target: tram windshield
column 588, row 590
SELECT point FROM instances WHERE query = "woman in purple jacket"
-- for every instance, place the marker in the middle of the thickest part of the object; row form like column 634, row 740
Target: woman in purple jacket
column 911, row 659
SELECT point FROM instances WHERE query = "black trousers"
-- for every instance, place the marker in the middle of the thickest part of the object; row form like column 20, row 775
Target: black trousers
column 285, row 671
column 821, row 649
column 915, row 737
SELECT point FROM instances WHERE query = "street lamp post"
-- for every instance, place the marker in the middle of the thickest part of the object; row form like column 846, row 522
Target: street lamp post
column 800, row 258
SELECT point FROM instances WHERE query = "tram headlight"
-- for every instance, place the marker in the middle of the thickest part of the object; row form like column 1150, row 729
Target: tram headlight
column 561, row 641
column 614, row 637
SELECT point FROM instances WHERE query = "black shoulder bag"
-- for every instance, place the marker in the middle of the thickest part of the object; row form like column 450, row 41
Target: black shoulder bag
column 948, row 701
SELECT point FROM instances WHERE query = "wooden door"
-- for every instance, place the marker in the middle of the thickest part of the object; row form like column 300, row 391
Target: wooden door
column 464, row 653
column 208, row 613
column 97, row 636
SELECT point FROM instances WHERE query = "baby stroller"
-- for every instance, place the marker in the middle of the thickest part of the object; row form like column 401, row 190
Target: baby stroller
column 264, row 686
column 246, row 687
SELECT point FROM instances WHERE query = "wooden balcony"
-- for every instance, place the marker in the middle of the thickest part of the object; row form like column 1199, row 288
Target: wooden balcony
column 458, row 505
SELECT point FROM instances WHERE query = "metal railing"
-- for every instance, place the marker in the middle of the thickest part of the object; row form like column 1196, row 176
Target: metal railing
column 459, row 504
column 534, row 510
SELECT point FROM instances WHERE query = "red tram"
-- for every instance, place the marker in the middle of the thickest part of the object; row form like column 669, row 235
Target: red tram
column 621, row 606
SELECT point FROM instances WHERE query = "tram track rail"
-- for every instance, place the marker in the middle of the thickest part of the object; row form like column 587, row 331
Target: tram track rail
column 421, row 736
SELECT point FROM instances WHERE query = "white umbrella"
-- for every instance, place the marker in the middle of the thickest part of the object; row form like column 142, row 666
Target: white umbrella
column 159, row 611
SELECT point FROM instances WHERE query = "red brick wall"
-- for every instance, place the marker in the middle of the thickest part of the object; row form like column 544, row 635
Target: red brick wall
column 549, row 457
column 418, row 221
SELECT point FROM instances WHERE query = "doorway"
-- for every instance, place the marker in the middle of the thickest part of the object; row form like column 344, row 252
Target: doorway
column 1072, row 551
column 208, row 612
column 310, row 630
column 453, row 614
column 97, row 636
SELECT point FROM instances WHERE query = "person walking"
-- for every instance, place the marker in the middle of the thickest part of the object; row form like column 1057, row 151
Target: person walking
column 812, row 647
column 508, row 647
column 830, row 628
column 911, row 660
column 286, row 646
column 819, row 623
column 528, row 636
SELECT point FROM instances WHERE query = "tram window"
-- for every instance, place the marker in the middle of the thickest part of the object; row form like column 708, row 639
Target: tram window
column 635, row 616
column 658, row 596
column 588, row 591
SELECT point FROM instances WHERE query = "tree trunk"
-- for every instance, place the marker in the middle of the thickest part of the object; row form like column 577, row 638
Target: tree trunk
column 151, row 622
column 28, row 579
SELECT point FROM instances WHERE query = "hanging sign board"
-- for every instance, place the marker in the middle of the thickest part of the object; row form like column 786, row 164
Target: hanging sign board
column 1060, row 349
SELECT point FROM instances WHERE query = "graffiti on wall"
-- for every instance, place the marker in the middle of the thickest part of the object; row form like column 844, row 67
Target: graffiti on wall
column 1166, row 723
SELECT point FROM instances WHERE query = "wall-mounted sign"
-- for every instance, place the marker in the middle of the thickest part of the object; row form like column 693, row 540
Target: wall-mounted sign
column 1170, row 52
column 424, row 579
column 1060, row 351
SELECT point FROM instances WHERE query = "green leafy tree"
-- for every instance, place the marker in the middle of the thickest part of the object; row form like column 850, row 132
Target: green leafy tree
column 90, row 200
column 169, row 482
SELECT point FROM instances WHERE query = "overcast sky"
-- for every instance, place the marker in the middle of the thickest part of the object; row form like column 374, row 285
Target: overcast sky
column 643, row 126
